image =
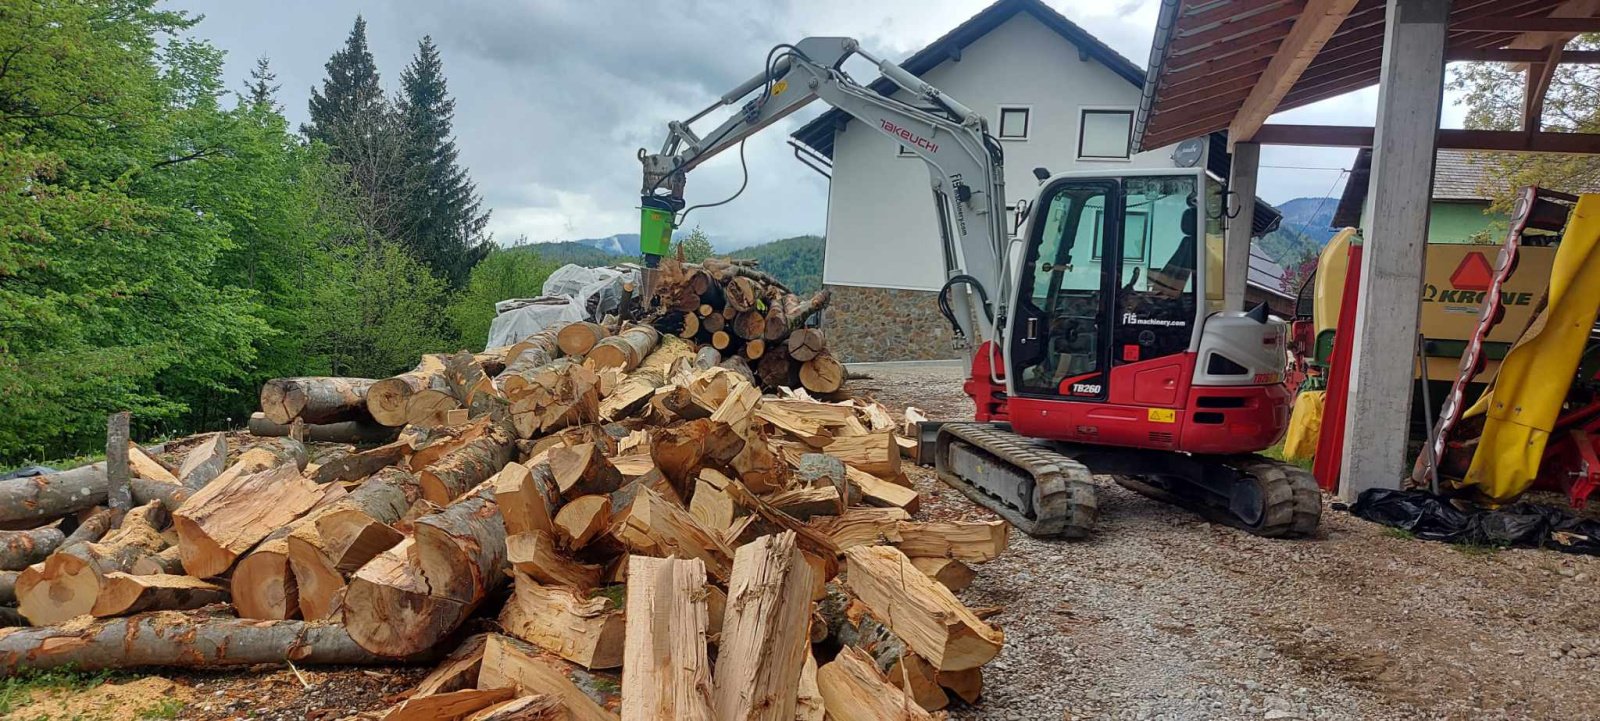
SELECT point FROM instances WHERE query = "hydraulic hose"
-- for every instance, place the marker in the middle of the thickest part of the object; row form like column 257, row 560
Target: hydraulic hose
column 944, row 301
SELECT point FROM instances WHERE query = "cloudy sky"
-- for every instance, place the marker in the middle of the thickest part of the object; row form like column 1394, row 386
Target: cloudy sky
column 554, row 97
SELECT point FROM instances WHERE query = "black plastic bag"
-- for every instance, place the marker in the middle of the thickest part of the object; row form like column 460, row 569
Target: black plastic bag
column 27, row 472
column 1435, row 518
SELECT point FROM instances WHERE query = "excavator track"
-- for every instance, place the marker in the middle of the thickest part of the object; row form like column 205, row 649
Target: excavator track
column 1038, row 490
column 1267, row 498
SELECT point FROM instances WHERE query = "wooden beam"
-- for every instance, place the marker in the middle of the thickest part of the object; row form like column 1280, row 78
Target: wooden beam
column 1574, row 57
column 1511, row 141
column 1502, row 24
column 1537, row 86
column 1253, row 29
column 1316, row 23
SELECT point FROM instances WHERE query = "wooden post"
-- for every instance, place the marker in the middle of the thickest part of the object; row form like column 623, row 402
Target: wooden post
column 118, row 496
column 1410, row 94
column 1236, row 253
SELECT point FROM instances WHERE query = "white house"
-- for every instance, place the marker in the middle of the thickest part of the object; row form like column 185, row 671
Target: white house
column 1055, row 97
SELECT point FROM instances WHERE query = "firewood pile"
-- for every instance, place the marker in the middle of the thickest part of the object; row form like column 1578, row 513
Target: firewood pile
column 742, row 318
column 586, row 525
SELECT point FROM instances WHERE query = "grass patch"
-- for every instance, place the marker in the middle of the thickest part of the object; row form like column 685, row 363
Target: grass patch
column 15, row 691
column 167, row 709
column 1276, row 454
column 616, row 593
column 1399, row 533
column 606, row 685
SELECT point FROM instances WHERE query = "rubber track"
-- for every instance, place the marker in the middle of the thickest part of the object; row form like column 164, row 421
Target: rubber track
column 1064, row 503
column 1294, row 504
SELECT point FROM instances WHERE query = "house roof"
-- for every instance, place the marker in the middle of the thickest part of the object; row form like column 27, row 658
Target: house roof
column 1266, row 274
column 1458, row 176
column 818, row 134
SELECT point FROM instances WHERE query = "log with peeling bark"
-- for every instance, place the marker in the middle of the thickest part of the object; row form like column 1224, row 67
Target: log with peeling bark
column 822, row 374
column 178, row 640
column 665, row 672
column 923, row 613
column 388, row 399
column 587, row 632
column 359, row 432
column 325, row 549
column 625, row 350
column 510, row 663
column 389, row 611
column 315, row 400
column 465, row 467
column 764, row 634
column 580, row 337
column 122, row 594
column 65, row 585
column 21, row 549
column 222, row 521
column 167, row 561
column 853, row 689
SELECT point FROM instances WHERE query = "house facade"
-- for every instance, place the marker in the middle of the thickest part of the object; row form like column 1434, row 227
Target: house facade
column 1055, row 97
column 1463, row 182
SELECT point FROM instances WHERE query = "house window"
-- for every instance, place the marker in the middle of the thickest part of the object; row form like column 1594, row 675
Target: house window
column 1014, row 123
column 1104, row 134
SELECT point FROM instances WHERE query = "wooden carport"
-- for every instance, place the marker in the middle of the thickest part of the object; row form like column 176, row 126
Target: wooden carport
column 1231, row 64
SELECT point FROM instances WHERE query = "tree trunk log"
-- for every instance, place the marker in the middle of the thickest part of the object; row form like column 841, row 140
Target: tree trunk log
column 749, row 324
column 122, row 594
column 168, row 561
column 352, row 432
column 345, row 536
column 714, row 323
column 8, row 587
column 460, row 470
column 21, row 549
column 776, row 369
column 52, row 495
column 203, row 463
column 460, row 551
column 178, row 640
column 822, row 374
column 707, row 357
column 315, row 400
column 66, row 584
column 805, row 344
column 580, row 337
column 388, row 609
column 626, row 350
column 388, row 399
column 262, row 583
column 585, row 631
column 117, row 470
column 169, row 495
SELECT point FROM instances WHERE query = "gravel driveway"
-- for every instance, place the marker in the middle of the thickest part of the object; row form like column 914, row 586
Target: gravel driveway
column 1164, row 616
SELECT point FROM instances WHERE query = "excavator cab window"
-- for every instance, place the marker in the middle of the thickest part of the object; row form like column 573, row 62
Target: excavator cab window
column 1061, row 340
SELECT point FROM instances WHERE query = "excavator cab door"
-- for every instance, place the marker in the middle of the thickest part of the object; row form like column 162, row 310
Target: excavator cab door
column 1108, row 278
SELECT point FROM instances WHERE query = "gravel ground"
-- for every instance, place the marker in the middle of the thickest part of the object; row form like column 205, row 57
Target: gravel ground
column 1162, row 615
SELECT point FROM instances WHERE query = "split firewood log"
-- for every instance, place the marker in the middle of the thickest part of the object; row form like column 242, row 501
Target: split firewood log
column 66, row 584
column 874, row 453
column 356, row 432
column 537, row 707
column 449, row 705
column 326, row 549
column 853, row 688
column 465, row 467
column 203, row 463
column 579, row 522
column 565, row 393
column 969, row 541
column 862, row 526
column 954, row 574
column 149, row 467
column 388, row 399
column 625, row 350
column 262, row 584
column 765, row 639
column 510, row 663
column 665, row 672
column 356, row 466
column 587, row 632
column 653, row 526
column 222, row 521
column 681, row 451
column 178, row 640
column 808, row 704
column 641, row 383
column 920, row 611
column 315, row 400
column 531, row 354
column 122, row 594
column 919, row 680
column 528, row 497
column 535, row 553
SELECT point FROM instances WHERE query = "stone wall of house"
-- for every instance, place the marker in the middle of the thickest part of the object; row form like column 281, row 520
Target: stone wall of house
column 884, row 324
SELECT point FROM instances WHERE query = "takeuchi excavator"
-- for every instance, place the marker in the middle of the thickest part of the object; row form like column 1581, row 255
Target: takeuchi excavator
column 1097, row 336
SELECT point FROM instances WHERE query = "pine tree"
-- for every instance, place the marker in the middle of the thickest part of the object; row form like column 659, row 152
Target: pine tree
column 350, row 94
column 442, row 215
column 261, row 91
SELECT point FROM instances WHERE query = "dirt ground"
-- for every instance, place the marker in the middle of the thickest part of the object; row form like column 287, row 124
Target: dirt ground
column 1162, row 615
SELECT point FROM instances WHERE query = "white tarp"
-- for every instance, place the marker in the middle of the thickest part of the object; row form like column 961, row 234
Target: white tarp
column 597, row 290
column 522, row 317
column 571, row 293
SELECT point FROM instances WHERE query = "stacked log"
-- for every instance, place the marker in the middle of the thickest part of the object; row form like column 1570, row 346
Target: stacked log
column 736, row 311
column 664, row 527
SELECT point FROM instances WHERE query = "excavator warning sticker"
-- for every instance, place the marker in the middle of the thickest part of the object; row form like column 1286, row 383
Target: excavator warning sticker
column 1163, row 415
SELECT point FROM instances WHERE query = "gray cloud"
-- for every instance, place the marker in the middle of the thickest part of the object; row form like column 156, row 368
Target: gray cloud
column 554, row 97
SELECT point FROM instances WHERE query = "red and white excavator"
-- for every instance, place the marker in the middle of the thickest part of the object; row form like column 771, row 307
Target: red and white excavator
column 1098, row 340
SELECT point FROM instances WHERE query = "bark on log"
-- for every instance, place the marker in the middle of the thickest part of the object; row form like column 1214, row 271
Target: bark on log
column 741, row 293
column 315, row 400
column 21, row 549
column 706, row 357
column 357, row 466
column 361, row 432
column 168, row 561
column 625, row 350
column 225, row 519
column 764, row 634
column 460, row 552
column 340, row 539
column 66, row 584
column 465, row 467
column 52, row 495
column 169, row 495
column 8, row 586
column 822, row 374
column 388, row 399
column 178, row 640
column 665, row 672
column 122, row 594
column 117, row 470
column 801, row 312
column 587, row 632
column 579, row 338
column 728, row 270
column 389, row 611
column 203, row 463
